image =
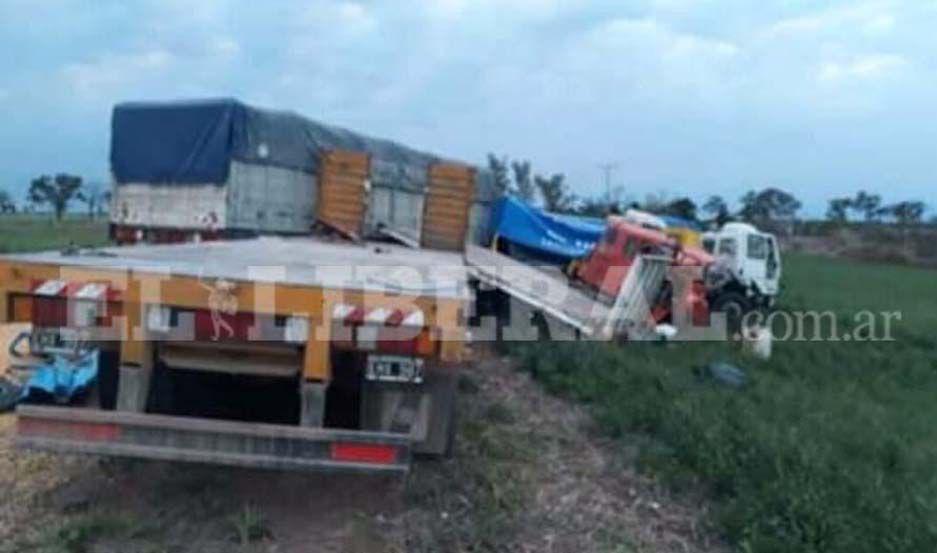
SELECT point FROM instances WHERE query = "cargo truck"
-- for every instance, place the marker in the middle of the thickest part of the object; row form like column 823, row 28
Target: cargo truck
column 292, row 353
column 296, row 350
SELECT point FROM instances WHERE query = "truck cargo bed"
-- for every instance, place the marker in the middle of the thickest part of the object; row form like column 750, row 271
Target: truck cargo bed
column 541, row 290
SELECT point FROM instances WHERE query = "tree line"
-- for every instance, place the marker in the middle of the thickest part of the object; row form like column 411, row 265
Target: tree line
column 870, row 209
column 56, row 193
column 767, row 206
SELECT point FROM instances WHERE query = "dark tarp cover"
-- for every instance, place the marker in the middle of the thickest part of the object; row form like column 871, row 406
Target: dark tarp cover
column 553, row 236
column 193, row 142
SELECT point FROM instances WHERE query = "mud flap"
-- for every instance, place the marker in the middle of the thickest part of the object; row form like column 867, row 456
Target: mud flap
column 423, row 411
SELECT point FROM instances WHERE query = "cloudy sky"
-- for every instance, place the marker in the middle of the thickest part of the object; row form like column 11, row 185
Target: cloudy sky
column 687, row 98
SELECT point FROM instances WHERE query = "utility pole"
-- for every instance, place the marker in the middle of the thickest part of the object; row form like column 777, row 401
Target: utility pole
column 607, row 169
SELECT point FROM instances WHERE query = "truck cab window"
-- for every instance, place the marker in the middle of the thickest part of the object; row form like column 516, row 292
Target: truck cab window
column 757, row 247
column 709, row 245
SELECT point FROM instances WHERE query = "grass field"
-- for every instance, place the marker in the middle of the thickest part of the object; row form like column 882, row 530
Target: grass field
column 830, row 447
column 20, row 233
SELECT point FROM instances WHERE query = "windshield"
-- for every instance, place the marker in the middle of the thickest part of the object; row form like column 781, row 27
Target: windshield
column 728, row 247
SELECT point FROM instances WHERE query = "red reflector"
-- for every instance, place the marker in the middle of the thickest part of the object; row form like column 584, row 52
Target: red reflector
column 364, row 453
column 67, row 430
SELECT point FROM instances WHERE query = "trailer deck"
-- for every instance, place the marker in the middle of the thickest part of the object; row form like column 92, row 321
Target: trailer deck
column 368, row 267
column 555, row 297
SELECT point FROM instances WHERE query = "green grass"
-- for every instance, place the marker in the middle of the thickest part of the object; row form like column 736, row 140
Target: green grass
column 831, row 447
column 23, row 233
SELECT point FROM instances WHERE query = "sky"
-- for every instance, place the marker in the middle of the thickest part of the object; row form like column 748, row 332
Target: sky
column 684, row 98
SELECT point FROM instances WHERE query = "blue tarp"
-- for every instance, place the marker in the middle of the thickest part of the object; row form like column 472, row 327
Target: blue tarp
column 62, row 379
column 193, row 142
column 561, row 237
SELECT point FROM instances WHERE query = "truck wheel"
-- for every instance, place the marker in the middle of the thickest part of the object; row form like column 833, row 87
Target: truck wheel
column 735, row 306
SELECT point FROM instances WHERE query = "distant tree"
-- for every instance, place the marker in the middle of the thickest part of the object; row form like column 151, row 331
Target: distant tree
column 56, row 192
column 7, row 205
column 681, row 207
column 597, row 207
column 553, row 190
column 523, row 182
column 499, row 174
column 592, row 207
column 770, row 204
column 838, row 210
column 654, row 203
column 718, row 209
column 94, row 197
column 867, row 205
column 906, row 213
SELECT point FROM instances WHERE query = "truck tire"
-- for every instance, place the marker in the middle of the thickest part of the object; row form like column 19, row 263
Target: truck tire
column 734, row 305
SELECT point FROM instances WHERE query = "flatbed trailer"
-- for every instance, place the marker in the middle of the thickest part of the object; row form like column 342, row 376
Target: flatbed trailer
column 310, row 354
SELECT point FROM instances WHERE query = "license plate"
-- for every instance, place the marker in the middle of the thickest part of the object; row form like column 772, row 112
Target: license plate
column 394, row 368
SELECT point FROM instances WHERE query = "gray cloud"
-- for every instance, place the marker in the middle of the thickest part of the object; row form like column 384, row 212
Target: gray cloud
column 688, row 98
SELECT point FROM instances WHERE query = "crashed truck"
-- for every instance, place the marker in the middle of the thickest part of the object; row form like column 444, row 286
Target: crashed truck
column 292, row 351
column 736, row 271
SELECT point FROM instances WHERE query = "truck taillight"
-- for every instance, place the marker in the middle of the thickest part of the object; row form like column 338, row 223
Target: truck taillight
column 364, row 453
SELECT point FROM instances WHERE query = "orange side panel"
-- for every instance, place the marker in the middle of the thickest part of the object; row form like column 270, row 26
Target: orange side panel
column 342, row 193
column 448, row 201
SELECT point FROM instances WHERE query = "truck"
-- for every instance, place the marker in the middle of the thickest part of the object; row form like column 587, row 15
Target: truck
column 288, row 353
column 220, row 169
column 747, row 272
column 246, row 318
column 599, row 260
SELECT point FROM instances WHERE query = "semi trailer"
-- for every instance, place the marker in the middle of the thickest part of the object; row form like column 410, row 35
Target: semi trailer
column 270, row 352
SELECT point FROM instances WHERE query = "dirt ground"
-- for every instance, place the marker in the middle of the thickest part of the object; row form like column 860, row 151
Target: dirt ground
column 529, row 474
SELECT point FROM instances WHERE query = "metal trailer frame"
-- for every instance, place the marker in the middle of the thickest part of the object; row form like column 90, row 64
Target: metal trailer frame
column 556, row 298
column 306, row 287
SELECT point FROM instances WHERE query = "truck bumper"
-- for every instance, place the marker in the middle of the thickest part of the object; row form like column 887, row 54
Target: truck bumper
column 187, row 439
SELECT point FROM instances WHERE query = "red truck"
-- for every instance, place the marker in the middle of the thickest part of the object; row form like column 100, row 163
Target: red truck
column 605, row 269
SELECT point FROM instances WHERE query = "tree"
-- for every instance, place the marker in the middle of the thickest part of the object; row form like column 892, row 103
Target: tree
column 596, row 207
column 718, row 209
column 906, row 213
column 838, row 210
column 57, row 192
column 770, row 204
column 684, row 208
column 7, row 205
column 554, row 193
column 499, row 174
column 523, row 185
column 93, row 196
column 867, row 205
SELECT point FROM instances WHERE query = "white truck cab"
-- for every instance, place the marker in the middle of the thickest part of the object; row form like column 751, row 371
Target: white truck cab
column 748, row 269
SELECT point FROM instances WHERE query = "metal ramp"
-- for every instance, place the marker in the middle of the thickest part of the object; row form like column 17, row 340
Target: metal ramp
column 553, row 295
